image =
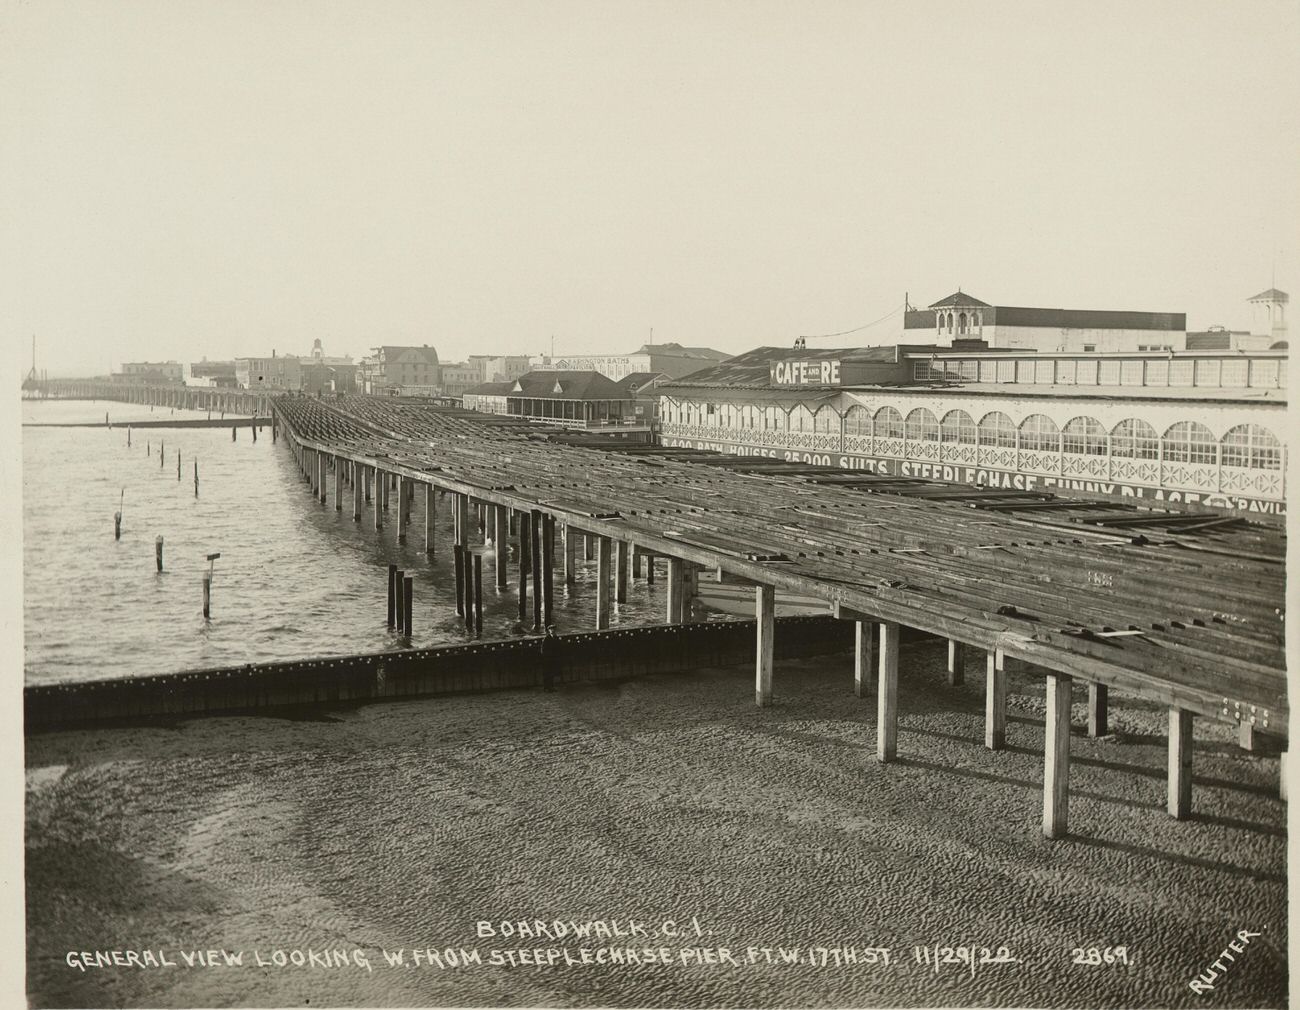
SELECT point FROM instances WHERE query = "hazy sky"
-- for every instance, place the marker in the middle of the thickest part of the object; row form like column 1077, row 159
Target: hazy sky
column 189, row 179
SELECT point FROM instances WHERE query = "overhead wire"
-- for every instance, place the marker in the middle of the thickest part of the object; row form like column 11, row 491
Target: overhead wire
column 843, row 333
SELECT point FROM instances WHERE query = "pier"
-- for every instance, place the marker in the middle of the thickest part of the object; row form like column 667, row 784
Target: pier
column 1184, row 610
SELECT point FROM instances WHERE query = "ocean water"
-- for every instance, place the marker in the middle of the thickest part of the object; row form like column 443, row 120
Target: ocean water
column 295, row 578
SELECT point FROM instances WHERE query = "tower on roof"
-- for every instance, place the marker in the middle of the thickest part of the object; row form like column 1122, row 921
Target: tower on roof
column 1268, row 314
column 959, row 315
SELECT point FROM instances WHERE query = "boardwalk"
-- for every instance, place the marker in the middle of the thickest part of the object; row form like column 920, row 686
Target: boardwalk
column 1182, row 609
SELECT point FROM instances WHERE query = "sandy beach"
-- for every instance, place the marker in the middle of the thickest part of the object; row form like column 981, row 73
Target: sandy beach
column 671, row 811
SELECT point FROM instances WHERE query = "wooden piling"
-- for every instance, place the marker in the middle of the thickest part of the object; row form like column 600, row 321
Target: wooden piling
column 467, row 554
column 602, row 582
column 338, row 484
column 570, row 555
column 522, row 525
column 178, row 465
column 357, row 489
column 1097, row 709
column 995, row 700
column 392, row 596
column 1180, row 763
column 765, row 629
column 1056, row 758
column 535, row 524
column 379, row 499
column 117, row 525
column 234, row 433
column 458, row 555
column 548, row 569
column 162, row 452
column 207, row 596
column 158, row 552
column 674, row 609
column 862, row 665
column 887, row 694
column 408, row 605
column 621, row 548
column 478, row 595
column 403, row 489
column 196, row 478
column 430, row 518
column 956, row 663
column 501, row 521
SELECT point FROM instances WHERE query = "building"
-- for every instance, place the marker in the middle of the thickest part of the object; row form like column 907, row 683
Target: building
column 276, row 372
column 487, row 397
column 459, row 377
column 642, row 389
column 671, row 359
column 218, row 374
column 400, row 368
column 1268, row 327
column 1204, row 428
column 153, row 372
column 962, row 316
column 499, row 368
column 579, row 399
column 1269, row 314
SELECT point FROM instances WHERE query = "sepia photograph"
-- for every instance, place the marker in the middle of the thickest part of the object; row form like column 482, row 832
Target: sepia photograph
column 647, row 504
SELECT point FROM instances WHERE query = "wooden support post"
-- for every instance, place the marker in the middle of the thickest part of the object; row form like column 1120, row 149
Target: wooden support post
column 570, row 554
column 478, row 594
column 535, row 525
column 887, row 694
column 1098, row 699
column 548, row 570
column 234, row 433
column 117, row 525
column 956, row 663
column 338, row 484
column 1246, row 734
column 524, row 553
column 586, row 546
column 501, row 536
column 430, row 518
column 178, row 466
column 674, row 615
column 207, row 596
column 366, row 473
column 603, row 565
column 690, row 590
column 321, row 482
column 196, row 478
column 386, row 489
column 765, row 629
column 637, row 558
column 162, row 452
column 995, row 700
column 358, row 488
column 392, row 596
column 458, row 553
column 1283, row 774
column 1056, row 758
column 1180, row 763
column 621, row 548
column 408, row 605
column 862, row 666
column 462, row 518
column 468, row 553
column 403, row 490
column 158, row 552
column 649, row 569
column 379, row 499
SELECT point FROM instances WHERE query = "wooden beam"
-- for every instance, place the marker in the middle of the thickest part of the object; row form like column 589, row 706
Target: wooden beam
column 603, row 546
column 1180, row 763
column 863, row 673
column 956, row 663
column 887, row 694
column 765, row 622
column 1098, row 704
column 1056, row 758
column 995, row 700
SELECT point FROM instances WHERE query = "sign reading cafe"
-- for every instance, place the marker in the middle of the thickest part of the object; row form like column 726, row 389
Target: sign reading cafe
column 818, row 372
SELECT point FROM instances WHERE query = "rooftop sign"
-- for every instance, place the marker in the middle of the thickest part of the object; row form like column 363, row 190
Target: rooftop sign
column 816, row 372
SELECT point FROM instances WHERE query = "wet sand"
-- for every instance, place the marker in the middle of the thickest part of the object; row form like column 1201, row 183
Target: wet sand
column 399, row 826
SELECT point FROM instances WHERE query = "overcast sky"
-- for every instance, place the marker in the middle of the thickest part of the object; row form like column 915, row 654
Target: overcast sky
column 221, row 179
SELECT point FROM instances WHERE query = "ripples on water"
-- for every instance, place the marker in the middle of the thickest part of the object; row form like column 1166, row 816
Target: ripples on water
column 295, row 578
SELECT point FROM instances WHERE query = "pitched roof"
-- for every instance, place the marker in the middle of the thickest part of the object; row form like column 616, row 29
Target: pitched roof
column 958, row 299
column 753, row 368
column 676, row 350
column 489, row 389
column 567, row 385
column 1271, row 295
column 392, row 352
column 635, row 380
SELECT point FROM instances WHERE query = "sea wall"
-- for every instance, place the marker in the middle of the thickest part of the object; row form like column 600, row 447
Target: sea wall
column 479, row 666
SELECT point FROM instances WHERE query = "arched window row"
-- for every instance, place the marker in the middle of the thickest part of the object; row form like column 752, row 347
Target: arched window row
column 1248, row 446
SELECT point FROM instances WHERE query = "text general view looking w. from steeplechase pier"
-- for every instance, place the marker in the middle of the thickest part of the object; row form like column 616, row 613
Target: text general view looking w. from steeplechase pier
column 638, row 506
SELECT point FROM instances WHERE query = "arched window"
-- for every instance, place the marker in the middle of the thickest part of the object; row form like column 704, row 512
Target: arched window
column 957, row 426
column 773, row 419
column 889, row 423
column 949, row 322
column 961, row 322
column 1085, row 436
column 922, row 426
column 857, row 421
column 1134, row 439
column 1038, row 433
column 1190, row 442
column 997, row 429
column 801, row 419
column 826, row 420
column 1249, row 445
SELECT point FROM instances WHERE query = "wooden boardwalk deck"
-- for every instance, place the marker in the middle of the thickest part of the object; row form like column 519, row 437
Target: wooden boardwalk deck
column 1186, row 610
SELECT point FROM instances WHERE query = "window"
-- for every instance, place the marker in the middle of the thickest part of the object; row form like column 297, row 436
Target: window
column 1157, row 372
column 922, row 426
column 957, row 427
column 1207, row 372
column 826, row 420
column 1006, row 371
column 1108, row 373
column 988, row 371
column 1263, row 373
column 1038, row 433
column 1249, row 445
column 1066, row 370
column 857, row 421
column 1180, row 373
column 1190, row 442
column 801, row 419
column 1085, row 436
column 1089, row 348
column 1044, row 372
column 888, row 423
column 1232, row 375
column 1024, row 371
column 1087, row 373
column 997, row 429
column 1134, row 439
column 1130, row 372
